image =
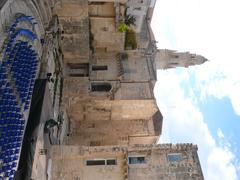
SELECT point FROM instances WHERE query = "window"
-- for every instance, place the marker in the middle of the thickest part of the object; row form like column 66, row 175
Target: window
column 95, row 162
column 99, row 68
column 101, row 87
column 78, row 69
column 174, row 64
column 99, row 162
column 136, row 160
column 78, row 65
column 77, row 75
column 101, row 49
column 111, row 162
column 174, row 157
column 137, row 8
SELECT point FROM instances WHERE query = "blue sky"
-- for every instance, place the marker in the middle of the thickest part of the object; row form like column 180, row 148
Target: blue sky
column 201, row 104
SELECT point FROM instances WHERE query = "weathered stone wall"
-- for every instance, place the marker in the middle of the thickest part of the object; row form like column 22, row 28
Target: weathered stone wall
column 73, row 16
column 135, row 68
column 102, row 28
column 102, row 10
column 111, row 122
column 107, row 59
column 134, row 90
column 157, row 165
column 107, row 132
column 120, row 109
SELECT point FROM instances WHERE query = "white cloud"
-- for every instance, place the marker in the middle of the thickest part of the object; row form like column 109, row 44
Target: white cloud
column 183, row 122
column 209, row 28
column 220, row 133
column 220, row 161
column 203, row 28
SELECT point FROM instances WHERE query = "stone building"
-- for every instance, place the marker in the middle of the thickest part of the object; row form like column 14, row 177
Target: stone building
column 136, row 162
column 96, row 82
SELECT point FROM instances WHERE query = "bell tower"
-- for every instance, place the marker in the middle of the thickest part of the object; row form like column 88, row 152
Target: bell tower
column 166, row 59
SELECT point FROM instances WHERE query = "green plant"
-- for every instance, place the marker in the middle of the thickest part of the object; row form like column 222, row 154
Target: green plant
column 122, row 27
column 130, row 20
column 50, row 123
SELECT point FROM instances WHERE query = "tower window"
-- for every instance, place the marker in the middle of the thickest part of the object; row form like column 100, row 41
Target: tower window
column 101, row 87
column 95, row 162
column 111, row 161
column 174, row 157
column 136, row 160
column 99, row 162
column 137, row 8
column 78, row 65
column 78, row 69
column 99, row 68
column 174, row 64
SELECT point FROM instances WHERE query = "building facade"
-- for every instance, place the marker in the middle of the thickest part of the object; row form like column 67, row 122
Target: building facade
column 136, row 162
column 98, row 88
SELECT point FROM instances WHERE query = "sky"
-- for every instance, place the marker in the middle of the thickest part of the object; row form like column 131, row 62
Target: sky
column 201, row 104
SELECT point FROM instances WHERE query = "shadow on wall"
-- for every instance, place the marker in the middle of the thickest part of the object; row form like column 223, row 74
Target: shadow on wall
column 2, row 2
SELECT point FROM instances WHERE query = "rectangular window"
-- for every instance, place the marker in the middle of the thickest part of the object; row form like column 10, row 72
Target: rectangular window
column 174, row 64
column 174, row 157
column 111, row 161
column 78, row 69
column 77, row 75
column 136, row 160
column 101, row 87
column 78, row 65
column 99, row 68
column 95, row 162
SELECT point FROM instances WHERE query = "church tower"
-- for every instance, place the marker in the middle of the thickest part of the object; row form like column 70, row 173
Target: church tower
column 166, row 59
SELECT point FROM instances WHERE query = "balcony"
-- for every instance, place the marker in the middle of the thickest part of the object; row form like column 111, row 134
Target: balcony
column 130, row 40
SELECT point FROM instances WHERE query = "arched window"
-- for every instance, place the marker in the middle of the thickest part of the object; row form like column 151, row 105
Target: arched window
column 100, row 87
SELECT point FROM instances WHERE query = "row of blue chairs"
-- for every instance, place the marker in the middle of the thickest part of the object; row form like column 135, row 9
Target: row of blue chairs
column 22, row 18
column 11, row 121
column 17, row 70
column 7, row 113
column 24, row 72
column 5, row 145
column 13, row 133
column 11, row 130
